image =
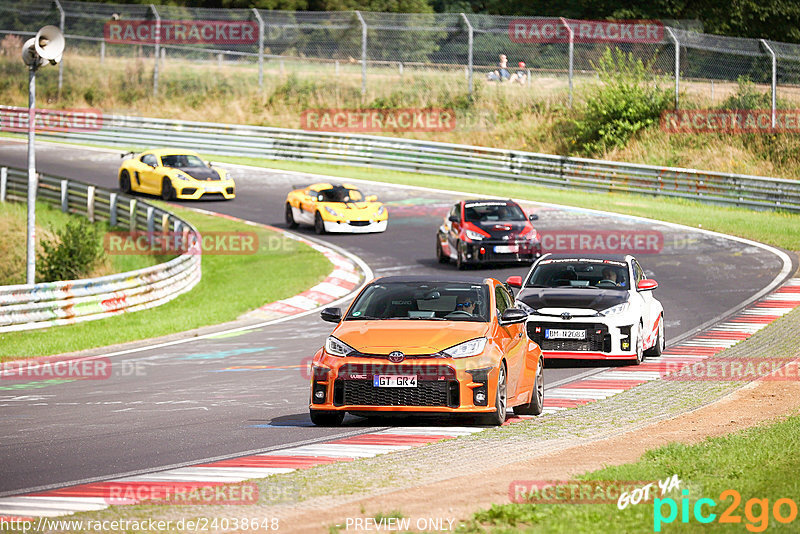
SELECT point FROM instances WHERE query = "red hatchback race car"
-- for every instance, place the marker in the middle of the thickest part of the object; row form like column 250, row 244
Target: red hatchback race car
column 477, row 232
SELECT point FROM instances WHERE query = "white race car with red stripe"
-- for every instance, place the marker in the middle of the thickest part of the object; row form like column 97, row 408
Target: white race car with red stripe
column 591, row 307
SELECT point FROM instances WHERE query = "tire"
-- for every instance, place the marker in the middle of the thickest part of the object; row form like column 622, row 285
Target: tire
column 460, row 263
column 639, row 346
column 167, row 192
column 501, row 400
column 440, row 253
column 536, row 405
column 656, row 350
column 326, row 418
column 290, row 222
column 319, row 225
column 125, row 182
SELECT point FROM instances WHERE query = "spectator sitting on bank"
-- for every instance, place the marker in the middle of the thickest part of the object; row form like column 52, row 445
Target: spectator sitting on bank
column 521, row 76
column 501, row 74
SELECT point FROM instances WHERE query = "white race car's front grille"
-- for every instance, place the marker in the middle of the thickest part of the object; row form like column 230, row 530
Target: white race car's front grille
column 596, row 337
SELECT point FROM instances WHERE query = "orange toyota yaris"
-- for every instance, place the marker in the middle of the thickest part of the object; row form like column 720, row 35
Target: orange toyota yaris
column 425, row 345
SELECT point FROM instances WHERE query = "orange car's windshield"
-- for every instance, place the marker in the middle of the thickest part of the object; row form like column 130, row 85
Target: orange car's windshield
column 433, row 301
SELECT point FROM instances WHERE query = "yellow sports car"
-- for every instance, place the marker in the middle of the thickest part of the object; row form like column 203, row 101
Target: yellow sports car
column 340, row 208
column 173, row 173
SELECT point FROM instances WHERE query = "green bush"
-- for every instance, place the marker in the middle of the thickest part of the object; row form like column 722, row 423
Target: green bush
column 72, row 254
column 627, row 101
column 747, row 97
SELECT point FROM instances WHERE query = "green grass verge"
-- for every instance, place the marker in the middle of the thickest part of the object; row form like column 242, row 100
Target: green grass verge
column 230, row 286
column 781, row 229
column 758, row 463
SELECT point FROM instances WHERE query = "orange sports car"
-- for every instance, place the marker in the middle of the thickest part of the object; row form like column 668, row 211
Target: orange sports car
column 423, row 345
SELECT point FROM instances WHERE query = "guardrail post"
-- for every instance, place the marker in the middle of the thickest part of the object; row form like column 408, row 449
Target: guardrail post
column 112, row 209
column 165, row 223
column 132, row 215
column 571, row 55
column 90, row 203
column 3, row 183
column 677, row 63
column 176, row 234
column 774, row 79
column 470, row 36
column 151, row 223
column 260, row 47
column 102, row 52
column 363, row 54
column 157, row 52
column 65, row 196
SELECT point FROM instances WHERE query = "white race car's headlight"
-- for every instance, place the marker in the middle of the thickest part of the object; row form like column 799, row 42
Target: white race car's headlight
column 616, row 310
column 473, row 347
column 332, row 211
column 524, row 307
column 336, row 347
column 474, row 235
column 182, row 176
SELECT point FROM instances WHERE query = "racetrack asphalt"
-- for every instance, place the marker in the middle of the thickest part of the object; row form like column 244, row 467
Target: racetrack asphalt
column 234, row 394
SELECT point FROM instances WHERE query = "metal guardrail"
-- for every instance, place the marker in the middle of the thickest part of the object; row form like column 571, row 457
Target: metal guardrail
column 27, row 307
column 442, row 159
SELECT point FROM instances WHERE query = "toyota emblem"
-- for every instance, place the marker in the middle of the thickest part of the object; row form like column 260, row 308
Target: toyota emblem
column 396, row 356
column 566, row 316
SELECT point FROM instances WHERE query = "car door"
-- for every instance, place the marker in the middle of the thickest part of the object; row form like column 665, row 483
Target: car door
column 512, row 337
column 147, row 174
column 308, row 206
column 648, row 317
column 453, row 229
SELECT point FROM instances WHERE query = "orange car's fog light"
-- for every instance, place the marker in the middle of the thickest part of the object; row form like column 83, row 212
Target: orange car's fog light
column 320, row 392
column 480, row 391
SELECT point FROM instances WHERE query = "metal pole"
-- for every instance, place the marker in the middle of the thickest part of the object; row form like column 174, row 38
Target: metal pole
column 774, row 80
column 157, row 48
column 363, row 54
column 469, row 51
column 102, row 52
column 32, row 182
column 260, row 47
column 677, row 63
column 571, row 55
column 60, row 63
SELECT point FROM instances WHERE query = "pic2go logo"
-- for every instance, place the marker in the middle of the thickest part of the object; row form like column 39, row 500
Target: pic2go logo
column 756, row 511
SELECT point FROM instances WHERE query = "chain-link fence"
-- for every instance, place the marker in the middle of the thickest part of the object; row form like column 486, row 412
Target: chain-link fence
column 367, row 51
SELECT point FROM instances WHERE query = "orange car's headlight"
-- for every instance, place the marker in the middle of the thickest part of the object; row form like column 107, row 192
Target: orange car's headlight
column 336, row 347
column 473, row 347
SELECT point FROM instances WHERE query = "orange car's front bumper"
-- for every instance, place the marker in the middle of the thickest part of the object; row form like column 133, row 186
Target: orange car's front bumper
column 443, row 386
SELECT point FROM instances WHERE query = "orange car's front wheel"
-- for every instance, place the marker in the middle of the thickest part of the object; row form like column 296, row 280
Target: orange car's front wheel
column 326, row 417
column 536, row 405
column 498, row 417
